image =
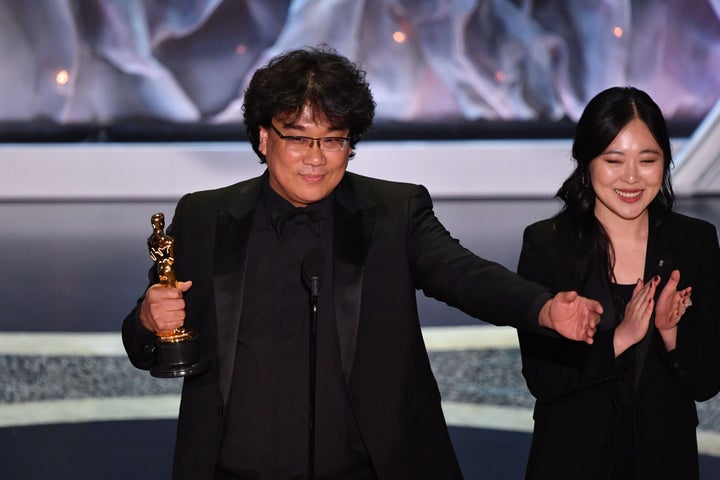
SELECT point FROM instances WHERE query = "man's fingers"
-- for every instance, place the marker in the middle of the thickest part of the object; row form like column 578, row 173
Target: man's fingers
column 596, row 307
column 158, row 291
column 570, row 296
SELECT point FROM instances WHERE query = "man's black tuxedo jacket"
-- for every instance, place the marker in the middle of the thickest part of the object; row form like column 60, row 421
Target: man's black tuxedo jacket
column 577, row 386
column 387, row 243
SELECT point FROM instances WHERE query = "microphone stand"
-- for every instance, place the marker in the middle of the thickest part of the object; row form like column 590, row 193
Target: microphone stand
column 314, row 287
column 312, row 267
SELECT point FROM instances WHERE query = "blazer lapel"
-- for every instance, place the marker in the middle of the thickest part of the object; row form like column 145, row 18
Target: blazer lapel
column 658, row 261
column 232, row 239
column 595, row 288
column 352, row 235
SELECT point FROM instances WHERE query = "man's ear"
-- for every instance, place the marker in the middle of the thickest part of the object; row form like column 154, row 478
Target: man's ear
column 262, row 145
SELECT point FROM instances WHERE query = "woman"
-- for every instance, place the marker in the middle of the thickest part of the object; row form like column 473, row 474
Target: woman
column 623, row 407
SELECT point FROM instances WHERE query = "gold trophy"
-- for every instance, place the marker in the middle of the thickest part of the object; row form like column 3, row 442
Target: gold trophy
column 177, row 350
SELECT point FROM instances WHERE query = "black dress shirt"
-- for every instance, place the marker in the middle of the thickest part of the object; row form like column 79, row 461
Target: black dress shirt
column 267, row 423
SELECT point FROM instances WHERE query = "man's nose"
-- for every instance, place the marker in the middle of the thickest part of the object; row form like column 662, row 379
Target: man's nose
column 314, row 154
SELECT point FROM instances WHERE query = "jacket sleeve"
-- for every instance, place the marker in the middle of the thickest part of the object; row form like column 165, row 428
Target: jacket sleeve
column 556, row 367
column 447, row 271
column 695, row 362
column 138, row 341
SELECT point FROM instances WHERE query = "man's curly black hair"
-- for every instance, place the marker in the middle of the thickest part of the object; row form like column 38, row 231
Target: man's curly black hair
column 333, row 86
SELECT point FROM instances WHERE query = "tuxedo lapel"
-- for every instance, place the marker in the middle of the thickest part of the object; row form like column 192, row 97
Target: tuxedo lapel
column 352, row 235
column 232, row 239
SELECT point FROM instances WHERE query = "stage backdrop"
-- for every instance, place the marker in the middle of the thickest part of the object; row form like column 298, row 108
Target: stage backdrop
column 150, row 69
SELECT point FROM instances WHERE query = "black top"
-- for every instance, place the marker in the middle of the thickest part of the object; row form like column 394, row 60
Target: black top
column 267, row 423
column 623, row 454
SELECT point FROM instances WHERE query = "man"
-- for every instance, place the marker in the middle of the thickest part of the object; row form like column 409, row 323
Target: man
column 243, row 251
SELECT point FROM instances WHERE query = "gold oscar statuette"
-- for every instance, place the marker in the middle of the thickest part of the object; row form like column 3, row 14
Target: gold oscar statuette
column 177, row 351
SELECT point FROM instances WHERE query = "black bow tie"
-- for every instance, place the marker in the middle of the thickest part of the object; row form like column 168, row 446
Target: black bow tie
column 285, row 221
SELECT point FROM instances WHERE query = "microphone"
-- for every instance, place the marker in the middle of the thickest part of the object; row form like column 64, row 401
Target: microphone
column 312, row 268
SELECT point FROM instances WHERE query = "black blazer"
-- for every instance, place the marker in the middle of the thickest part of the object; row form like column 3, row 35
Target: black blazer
column 577, row 386
column 387, row 244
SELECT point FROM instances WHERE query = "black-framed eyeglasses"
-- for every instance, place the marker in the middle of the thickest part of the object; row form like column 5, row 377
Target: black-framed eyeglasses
column 301, row 143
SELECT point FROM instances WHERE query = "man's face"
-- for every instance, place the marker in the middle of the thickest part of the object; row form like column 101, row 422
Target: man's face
column 302, row 174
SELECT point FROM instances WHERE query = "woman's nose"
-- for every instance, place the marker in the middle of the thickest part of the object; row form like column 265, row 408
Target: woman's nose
column 630, row 174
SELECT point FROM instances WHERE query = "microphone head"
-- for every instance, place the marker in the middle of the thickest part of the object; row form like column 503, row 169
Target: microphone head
column 313, row 266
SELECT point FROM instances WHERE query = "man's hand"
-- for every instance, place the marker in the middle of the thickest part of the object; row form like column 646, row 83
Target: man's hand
column 572, row 316
column 163, row 308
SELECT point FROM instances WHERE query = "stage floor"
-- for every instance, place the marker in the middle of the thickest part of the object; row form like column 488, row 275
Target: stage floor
column 71, row 406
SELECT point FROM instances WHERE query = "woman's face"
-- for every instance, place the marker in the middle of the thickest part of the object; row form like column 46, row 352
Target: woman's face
column 628, row 175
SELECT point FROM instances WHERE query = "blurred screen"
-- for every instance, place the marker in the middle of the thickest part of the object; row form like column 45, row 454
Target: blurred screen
column 130, row 70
